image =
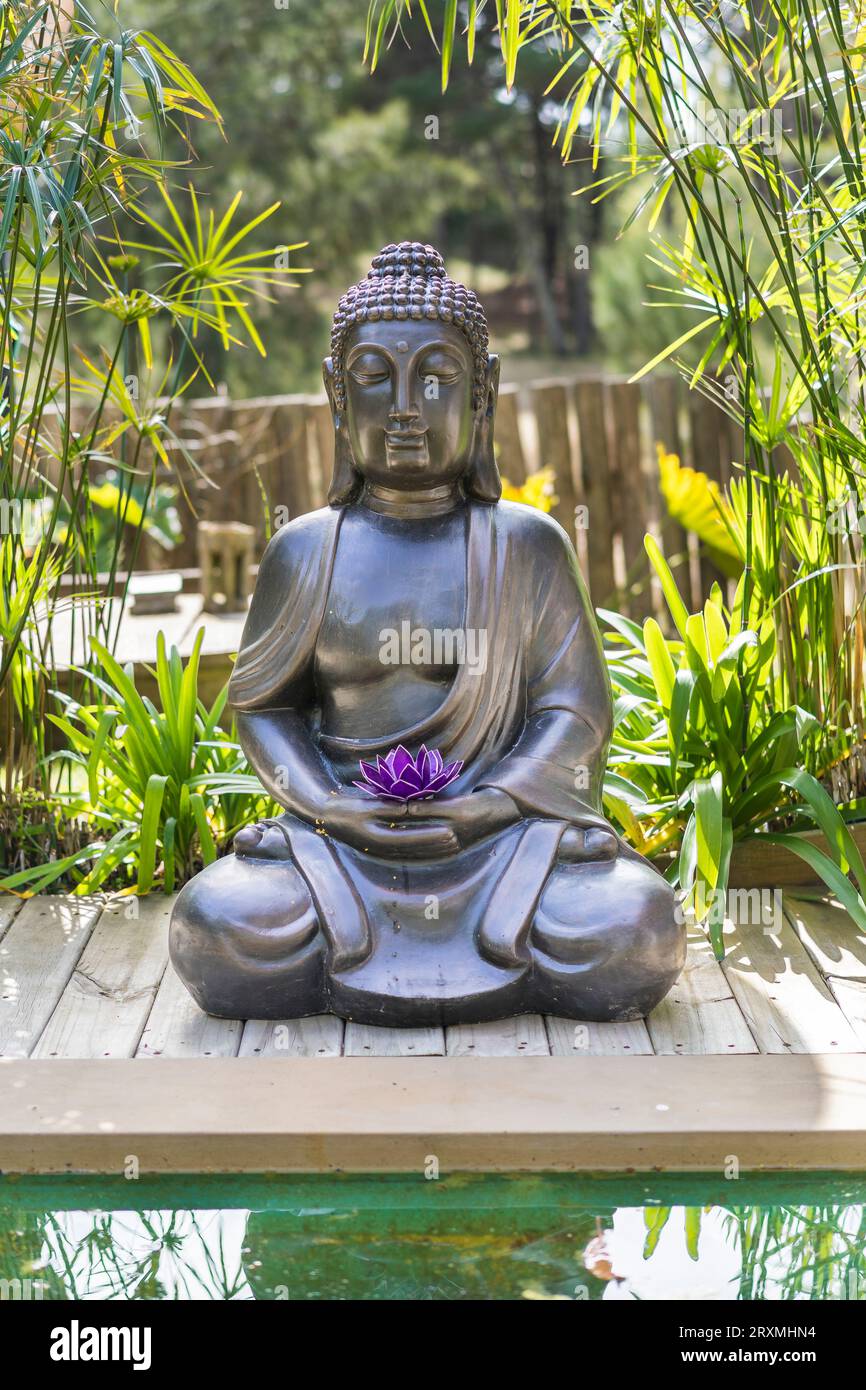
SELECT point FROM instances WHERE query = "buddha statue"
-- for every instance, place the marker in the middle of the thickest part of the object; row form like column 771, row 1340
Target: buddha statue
column 421, row 686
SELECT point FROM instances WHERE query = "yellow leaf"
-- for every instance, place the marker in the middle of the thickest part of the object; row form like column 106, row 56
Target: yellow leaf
column 537, row 491
column 696, row 502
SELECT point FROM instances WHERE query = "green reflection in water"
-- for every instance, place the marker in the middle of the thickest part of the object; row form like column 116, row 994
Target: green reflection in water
column 571, row 1237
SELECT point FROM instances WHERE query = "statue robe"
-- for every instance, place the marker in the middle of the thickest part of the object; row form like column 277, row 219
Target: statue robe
column 535, row 723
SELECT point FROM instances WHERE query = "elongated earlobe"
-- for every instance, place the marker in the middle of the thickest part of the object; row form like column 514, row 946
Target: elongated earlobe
column 482, row 479
column 346, row 481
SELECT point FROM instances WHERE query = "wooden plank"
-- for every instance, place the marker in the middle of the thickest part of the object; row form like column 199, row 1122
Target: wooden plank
column 850, row 995
column 290, row 489
column 508, row 444
column 176, row 1026
column 320, row 433
column 630, row 494
column 832, row 938
column 104, row 1007
column 700, row 1016
column 321, row 1035
column 10, row 906
column 569, row 1039
column 549, row 403
column 209, row 424
column 589, row 398
column 524, row 1036
column 362, row 1040
column 37, row 957
column 476, row 1114
column 250, row 477
column 787, row 1004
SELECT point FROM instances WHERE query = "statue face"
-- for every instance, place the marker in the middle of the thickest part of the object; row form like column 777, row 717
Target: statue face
column 409, row 401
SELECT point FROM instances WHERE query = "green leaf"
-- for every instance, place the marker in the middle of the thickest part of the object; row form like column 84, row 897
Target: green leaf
column 655, row 1220
column 659, row 657
column 693, row 1230
column 631, row 631
column 106, row 724
column 187, row 706
column 679, row 612
column 672, row 347
column 707, row 798
column 150, row 831
column 168, row 841
column 829, row 873
column 208, row 848
column 449, row 25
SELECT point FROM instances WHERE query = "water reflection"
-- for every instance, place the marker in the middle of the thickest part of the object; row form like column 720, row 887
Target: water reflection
column 567, row 1238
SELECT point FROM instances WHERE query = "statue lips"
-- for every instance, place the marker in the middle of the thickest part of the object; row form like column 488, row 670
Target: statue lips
column 412, row 441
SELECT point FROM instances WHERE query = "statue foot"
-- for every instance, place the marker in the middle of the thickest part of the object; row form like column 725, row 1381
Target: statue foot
column 587, row 846
column 607, row 940
column 245, row 940
column 264, row 840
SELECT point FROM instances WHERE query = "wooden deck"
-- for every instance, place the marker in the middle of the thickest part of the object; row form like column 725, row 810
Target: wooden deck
column 87, row 995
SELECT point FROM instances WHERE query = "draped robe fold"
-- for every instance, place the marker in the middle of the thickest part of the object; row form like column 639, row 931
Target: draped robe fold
column 535, row 722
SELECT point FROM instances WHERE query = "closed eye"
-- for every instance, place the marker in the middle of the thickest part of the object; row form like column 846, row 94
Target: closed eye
column 442, row 367
column 369, row 369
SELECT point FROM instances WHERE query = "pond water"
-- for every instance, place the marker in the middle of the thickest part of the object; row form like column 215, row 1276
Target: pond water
column 576, row 1237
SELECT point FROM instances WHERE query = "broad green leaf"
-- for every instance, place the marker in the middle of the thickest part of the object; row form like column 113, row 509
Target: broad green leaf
column 150, row 831
column 707, row 798
column 679, row 612
column 208, row 848
column 664, row 672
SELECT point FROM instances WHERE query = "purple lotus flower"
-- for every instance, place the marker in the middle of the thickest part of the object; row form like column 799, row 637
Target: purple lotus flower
column 400, row 777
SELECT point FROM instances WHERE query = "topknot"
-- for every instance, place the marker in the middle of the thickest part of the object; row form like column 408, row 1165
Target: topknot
column 409, row 281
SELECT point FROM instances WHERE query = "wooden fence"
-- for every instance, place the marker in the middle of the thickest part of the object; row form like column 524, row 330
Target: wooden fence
column 263, row 461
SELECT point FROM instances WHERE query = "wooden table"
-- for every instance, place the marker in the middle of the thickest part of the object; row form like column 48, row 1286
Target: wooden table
column 136, row 639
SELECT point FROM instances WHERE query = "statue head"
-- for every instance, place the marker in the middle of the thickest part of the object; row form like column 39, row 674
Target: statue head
column 411, row 385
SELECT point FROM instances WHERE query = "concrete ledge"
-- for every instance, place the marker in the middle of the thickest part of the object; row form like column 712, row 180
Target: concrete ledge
column 474, row 1114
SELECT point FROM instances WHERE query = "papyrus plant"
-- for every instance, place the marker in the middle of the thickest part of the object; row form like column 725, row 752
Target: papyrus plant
column 98, row 338
column 737, row 132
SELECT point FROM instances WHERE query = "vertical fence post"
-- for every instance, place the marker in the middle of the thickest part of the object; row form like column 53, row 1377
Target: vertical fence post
column 595, row 473
column 320, row 443
column 506, row 440
column 710, row 454
column 549, row 403
column 292, row 486
column 632, row 494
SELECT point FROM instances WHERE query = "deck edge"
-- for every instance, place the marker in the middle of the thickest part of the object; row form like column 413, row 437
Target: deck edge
column 527, row 1114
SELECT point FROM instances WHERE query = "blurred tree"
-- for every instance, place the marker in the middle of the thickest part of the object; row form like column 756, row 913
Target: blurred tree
column 358, row 163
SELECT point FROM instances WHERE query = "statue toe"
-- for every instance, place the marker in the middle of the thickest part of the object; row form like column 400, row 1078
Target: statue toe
column 248, row 839
column 585, row 846
column 264, row 840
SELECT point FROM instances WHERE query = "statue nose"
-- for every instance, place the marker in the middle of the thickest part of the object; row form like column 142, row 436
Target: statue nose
column 403, row 407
